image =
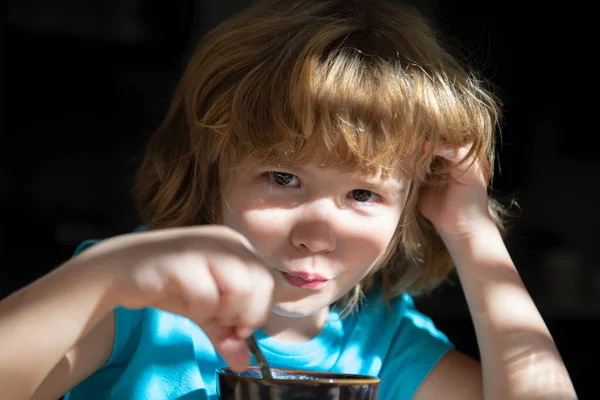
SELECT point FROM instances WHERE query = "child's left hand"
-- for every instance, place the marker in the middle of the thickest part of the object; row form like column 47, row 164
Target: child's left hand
column 457, row 208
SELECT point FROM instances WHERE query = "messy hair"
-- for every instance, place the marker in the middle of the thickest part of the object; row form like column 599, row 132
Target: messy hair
column 366, row 81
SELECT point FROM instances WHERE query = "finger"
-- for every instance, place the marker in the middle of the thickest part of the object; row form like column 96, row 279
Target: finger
column 247, row 251
column 235, row 287
column 454, row 154
column 465, row 167
column 259, row 305
column 234, row 350
column 195, row 288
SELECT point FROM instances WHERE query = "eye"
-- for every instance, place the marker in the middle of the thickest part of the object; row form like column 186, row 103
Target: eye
column 364, row 196
column 283, row 178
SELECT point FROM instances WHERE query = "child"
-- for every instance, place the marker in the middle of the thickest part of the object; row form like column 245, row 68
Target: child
column 321, row 160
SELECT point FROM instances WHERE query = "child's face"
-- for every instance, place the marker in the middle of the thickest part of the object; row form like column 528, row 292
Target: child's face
column 321, row 224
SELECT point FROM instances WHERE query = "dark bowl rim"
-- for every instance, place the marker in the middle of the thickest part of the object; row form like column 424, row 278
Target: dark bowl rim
column 361, row 379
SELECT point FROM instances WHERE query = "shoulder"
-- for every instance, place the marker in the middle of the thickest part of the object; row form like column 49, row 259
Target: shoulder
column 84, row 245
column 395, row 311
column 400, row 310
column 90, row 242
column 145, row 340
column 422, row 362
column 415, row 345
column 455, row 376
column 399, row 317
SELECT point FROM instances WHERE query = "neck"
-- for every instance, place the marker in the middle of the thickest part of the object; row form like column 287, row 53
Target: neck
column 295, row 329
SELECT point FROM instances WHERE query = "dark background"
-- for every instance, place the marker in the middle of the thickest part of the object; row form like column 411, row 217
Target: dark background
column 85, row 83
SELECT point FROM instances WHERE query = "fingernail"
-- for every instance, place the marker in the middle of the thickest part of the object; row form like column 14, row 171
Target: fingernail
column 243, row 332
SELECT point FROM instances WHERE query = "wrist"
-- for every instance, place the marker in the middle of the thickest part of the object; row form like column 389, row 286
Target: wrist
column 482, row 227
column 91, row 270
column 462, row 224
column 481, row 246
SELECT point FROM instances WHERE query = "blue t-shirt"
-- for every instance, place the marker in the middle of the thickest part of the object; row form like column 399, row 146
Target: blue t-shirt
column 159, row 355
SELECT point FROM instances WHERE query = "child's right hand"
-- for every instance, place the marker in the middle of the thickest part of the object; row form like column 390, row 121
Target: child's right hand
column 210, row 274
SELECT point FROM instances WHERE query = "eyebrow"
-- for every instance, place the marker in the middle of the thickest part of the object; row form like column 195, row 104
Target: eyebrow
column 388, row 186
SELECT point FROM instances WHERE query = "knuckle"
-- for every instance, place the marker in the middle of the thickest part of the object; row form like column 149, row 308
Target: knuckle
column 226, row 319
column 237, row 286
column 266, row 278
column 188, row 252
column 229, row 233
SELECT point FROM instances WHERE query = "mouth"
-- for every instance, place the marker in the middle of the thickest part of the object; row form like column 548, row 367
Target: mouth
column 305, row 281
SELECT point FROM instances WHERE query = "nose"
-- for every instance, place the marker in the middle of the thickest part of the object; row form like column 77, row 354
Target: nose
column 315, row 232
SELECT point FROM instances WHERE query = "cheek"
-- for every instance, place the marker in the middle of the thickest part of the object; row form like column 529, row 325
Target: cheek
column 368, row 241
column 372, row 236
column 264, row 222
column 260, row 226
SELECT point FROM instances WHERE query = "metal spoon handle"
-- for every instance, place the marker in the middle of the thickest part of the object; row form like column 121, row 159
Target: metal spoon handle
column 260, row 358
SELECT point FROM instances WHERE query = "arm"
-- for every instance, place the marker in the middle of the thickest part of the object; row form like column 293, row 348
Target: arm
column 208, row 274
column 87, row 356
column 518, row 355
column 42, row 322
column 455, row 377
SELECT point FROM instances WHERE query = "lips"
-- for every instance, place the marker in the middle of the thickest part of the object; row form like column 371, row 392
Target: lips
column 305, row 280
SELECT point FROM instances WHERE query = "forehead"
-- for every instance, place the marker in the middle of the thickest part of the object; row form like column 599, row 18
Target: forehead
column 373, row 172
column 368, row 167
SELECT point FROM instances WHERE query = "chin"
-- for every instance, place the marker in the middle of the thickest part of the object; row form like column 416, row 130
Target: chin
column 298, row 309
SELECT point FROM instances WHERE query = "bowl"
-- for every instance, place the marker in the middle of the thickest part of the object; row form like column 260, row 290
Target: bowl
column 295, row 384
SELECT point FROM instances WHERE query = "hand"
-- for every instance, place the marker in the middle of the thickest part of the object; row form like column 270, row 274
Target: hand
column 209, row 274
column 458, row 207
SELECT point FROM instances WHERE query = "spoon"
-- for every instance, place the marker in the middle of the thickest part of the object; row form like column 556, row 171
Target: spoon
column 265, row 370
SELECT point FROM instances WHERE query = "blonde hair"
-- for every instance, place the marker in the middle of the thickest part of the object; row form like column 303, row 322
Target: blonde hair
column 366, row 81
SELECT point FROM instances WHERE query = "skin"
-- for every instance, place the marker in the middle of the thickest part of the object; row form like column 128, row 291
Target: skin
column 188, row 271
column 518, row 355
column 312, row 219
